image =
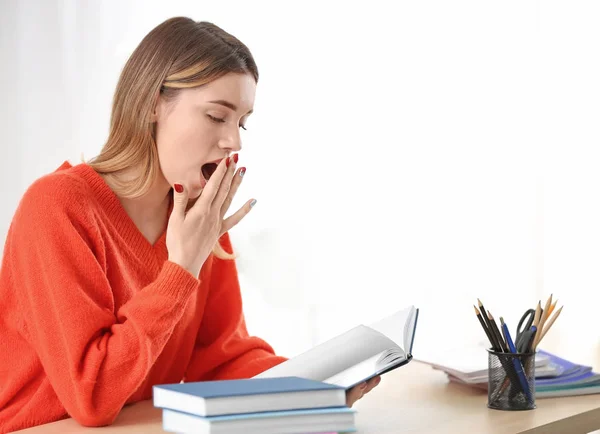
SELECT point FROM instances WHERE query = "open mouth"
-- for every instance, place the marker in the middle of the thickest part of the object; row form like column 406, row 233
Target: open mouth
column 208, row 169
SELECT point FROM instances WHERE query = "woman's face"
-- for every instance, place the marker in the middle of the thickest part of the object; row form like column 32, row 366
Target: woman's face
column 200, row 127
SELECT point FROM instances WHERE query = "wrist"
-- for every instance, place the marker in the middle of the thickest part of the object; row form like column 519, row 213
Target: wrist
column 194, row 271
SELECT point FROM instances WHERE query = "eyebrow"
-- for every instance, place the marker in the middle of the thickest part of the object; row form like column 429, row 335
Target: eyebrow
column 228, row 105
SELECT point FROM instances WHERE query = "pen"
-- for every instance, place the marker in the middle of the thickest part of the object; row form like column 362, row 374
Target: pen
column 526, row 348
column 529, row 346
column 516, row 362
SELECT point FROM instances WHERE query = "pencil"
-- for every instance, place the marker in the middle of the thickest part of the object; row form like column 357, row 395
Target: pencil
column 482, row 310
column 552, row 307
column 547, row 327
column 538, row 314
column 497, row 333
column 485, row 329
column 543, row 320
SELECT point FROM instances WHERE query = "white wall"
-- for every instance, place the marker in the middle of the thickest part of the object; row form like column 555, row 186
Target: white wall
column 427, row 154
column 11, row 184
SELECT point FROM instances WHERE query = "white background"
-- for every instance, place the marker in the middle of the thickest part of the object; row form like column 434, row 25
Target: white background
column 423, row 153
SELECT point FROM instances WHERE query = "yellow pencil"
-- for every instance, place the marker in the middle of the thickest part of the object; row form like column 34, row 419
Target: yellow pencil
column 550, row 324
column 552, row 307
column 538, row 311
column 543, row 321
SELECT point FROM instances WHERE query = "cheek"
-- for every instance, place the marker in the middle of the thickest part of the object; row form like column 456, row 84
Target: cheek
column 182, row 148
column 178, row 135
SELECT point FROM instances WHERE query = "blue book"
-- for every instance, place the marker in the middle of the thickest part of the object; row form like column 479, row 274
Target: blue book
column 587, row 389
column 340, row 419
column 564, row 367
column 587, row 379
column 210, row 398
column 575, row 380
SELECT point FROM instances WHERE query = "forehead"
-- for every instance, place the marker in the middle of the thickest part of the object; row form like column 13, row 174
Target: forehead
column 239, row 89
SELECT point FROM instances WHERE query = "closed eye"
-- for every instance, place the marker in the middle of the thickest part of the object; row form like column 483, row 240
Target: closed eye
column 215, row 119
column 220, row 121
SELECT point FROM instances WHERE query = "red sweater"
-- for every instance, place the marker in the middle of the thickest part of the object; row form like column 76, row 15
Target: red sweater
column 92, row 315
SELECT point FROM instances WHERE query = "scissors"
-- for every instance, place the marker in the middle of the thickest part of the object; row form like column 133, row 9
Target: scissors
column 524, row 335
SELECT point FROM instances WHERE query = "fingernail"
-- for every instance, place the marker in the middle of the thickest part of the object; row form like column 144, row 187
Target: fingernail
column 227, row 162
column 235, row 158
column 178, row 188
column 242, row 171
column 363, row 386
column 252, row 203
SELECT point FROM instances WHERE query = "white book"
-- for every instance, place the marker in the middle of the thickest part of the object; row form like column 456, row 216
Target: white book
column 357, row 355
column 470, row 363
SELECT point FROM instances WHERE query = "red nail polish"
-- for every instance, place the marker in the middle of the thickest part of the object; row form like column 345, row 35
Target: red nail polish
column 235, row 158
column 178, row 188
column 242, row 171
column 227, row 162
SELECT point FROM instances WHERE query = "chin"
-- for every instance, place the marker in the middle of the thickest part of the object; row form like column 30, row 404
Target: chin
column 192, row 199
column 195, row 192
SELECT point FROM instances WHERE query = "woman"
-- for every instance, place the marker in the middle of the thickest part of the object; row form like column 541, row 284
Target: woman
column 119, row 274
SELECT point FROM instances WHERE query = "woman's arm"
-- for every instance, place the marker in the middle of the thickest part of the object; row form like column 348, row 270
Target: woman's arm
column 224, row 349
column 94, row 358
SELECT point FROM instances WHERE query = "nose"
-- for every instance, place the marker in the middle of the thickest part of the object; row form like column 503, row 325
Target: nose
column 231, row 141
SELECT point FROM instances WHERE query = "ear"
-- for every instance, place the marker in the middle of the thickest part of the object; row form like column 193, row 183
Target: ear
column 157, row 107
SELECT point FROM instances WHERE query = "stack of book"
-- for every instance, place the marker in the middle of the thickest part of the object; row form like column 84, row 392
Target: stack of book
column 284, row 405
column 557, row 377
column 554, row 376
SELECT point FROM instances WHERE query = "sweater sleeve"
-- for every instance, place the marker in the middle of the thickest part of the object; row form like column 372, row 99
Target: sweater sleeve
column 224, row 349
column 95, row 358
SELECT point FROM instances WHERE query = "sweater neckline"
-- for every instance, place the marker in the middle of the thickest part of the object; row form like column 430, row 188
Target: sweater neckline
column 113, row 207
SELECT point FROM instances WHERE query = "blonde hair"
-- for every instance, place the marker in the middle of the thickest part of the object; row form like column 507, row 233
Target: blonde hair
column 179, row 53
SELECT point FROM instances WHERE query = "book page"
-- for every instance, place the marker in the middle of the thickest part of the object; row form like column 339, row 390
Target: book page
column 334, row 356
column 397, row 327
column 409, row 330
column 367, row 368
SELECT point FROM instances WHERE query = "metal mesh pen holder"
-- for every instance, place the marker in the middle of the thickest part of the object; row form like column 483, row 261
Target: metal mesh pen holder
column 511, row 381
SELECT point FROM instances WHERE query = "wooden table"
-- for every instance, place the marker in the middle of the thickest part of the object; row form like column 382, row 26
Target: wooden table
column 413, row 399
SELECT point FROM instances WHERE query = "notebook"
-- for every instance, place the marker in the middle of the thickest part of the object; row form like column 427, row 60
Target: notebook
column 279, row 422
column 570, row 372
column 357, row 355
column 224, row 397
column 470, row 364
column 573, row 380
column 577, row 391
column 576, row 380
column 547, row 392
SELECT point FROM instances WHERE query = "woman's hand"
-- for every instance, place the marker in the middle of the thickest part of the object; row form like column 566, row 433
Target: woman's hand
column 192, row 235
column 361, row 390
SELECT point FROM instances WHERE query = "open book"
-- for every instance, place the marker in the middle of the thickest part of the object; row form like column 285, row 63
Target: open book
column 357, row 355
